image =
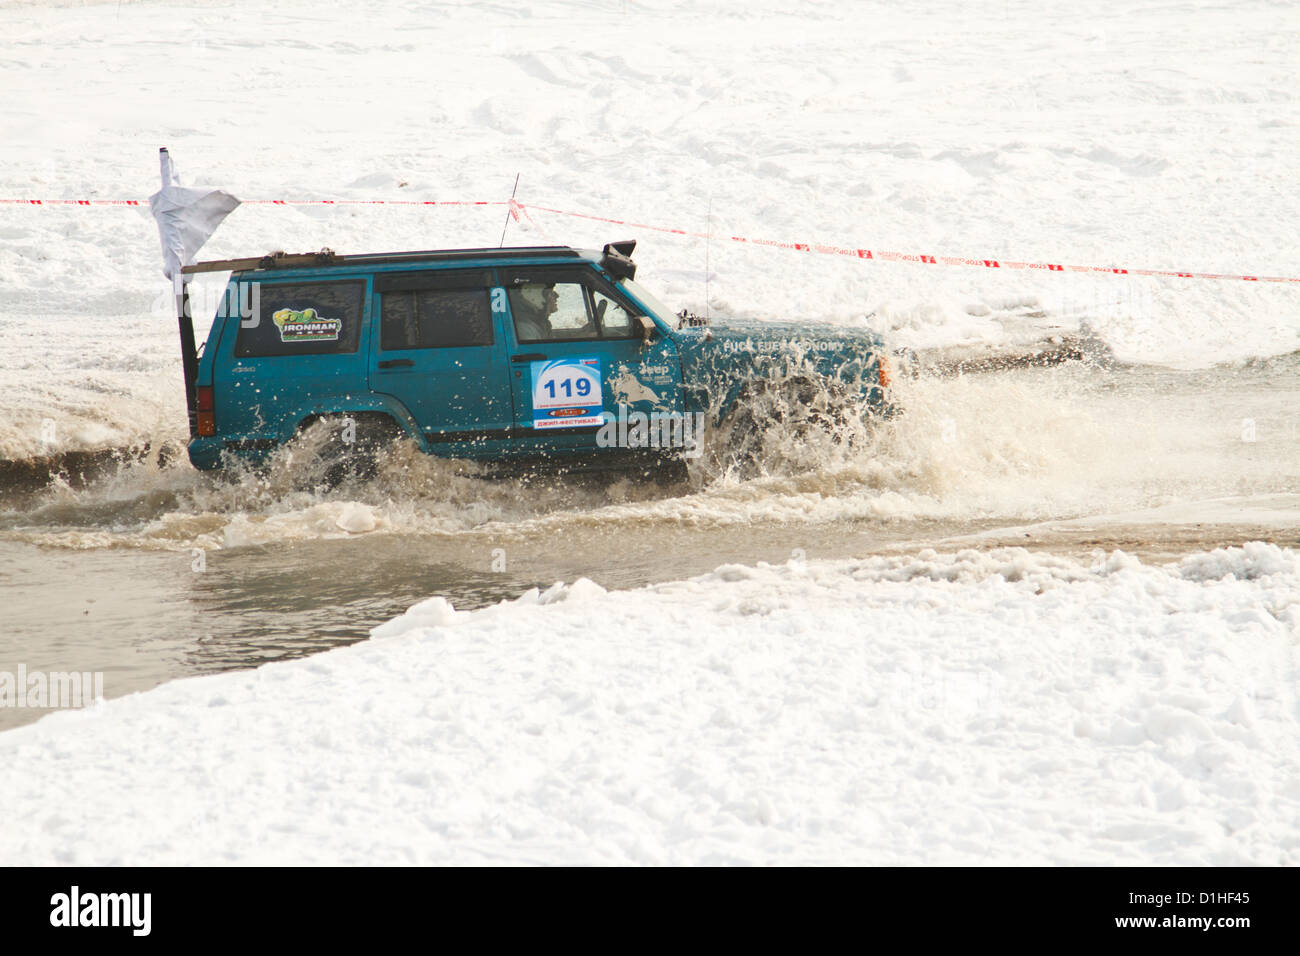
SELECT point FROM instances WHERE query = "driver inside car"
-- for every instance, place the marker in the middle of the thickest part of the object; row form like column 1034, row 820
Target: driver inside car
column 540, row 317
column 533, row 305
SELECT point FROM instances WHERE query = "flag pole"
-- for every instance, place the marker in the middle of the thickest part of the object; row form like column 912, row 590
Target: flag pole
column 189, row 353
column 184, row 320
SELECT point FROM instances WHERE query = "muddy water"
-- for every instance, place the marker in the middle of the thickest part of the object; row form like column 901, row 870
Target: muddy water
column 151, row 573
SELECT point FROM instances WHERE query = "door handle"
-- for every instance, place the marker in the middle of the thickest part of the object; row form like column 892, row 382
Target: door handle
column 528, row 357
column 397, row 363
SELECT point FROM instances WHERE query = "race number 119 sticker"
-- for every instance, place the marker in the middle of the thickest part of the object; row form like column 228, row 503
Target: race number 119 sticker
column 566, row 393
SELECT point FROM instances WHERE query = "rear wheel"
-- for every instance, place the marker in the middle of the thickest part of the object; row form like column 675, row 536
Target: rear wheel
column 347, row 447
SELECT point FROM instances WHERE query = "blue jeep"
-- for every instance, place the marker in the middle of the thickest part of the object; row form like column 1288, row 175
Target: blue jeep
column 516, row 357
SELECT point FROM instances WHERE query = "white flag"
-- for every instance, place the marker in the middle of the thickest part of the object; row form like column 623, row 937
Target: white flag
column 187, row 216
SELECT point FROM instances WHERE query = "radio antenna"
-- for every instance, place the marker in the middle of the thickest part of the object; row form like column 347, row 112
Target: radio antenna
column 509, row 210
column 708, row 235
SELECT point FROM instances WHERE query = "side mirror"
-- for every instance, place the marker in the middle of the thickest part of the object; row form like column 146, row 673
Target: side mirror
column 648, row 329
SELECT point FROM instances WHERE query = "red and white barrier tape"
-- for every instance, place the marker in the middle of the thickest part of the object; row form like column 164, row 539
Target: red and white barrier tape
column 266, row 202
column 518, row 210
column 73, row 202
column 886, row 256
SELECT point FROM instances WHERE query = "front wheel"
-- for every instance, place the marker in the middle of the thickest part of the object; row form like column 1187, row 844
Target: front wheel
column 784, row 424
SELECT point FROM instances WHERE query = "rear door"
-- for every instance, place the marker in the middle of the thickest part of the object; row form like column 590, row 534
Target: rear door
column 302, row 345
column 577, row 355
column 440, row 353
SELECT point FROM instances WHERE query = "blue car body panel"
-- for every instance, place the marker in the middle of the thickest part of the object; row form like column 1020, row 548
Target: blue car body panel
column 439, row 343
column 719, row 362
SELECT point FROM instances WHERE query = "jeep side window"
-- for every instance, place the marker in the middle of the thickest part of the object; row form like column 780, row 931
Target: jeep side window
column 548, row 311
column 302, row 318
column 434, row 319
column 614, row 320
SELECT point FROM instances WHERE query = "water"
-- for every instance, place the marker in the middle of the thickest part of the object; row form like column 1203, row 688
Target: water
column 151, row 573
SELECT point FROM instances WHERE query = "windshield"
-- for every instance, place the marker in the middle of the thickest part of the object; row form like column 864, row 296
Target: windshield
column 642, row 295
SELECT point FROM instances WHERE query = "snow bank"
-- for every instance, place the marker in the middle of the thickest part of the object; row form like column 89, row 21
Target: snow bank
column 998, row 707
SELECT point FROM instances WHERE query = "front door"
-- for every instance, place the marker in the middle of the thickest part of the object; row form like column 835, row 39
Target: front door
column 579, row 360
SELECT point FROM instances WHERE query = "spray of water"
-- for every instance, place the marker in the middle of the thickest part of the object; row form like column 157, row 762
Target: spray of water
column 1014, row 446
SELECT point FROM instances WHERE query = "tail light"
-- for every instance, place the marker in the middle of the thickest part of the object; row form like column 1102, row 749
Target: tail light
column 882, row 369
column 207, row 422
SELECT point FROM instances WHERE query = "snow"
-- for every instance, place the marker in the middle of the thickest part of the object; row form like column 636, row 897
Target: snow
column 970, row 707
column 963, row 706
column 1157, row 137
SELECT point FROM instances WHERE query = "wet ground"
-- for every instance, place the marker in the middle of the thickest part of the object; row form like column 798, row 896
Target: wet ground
column 152, row 572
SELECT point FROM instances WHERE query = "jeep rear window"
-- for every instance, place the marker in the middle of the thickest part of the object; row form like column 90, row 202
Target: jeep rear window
column 303, row 318
column 434, row 319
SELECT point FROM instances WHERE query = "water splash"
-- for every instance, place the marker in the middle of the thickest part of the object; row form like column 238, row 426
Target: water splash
column 1012, row 446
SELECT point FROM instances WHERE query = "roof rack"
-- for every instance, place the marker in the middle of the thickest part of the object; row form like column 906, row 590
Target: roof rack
column 328, row 257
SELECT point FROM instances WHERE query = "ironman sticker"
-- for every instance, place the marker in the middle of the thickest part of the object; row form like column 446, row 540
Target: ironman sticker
column 566, row 393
